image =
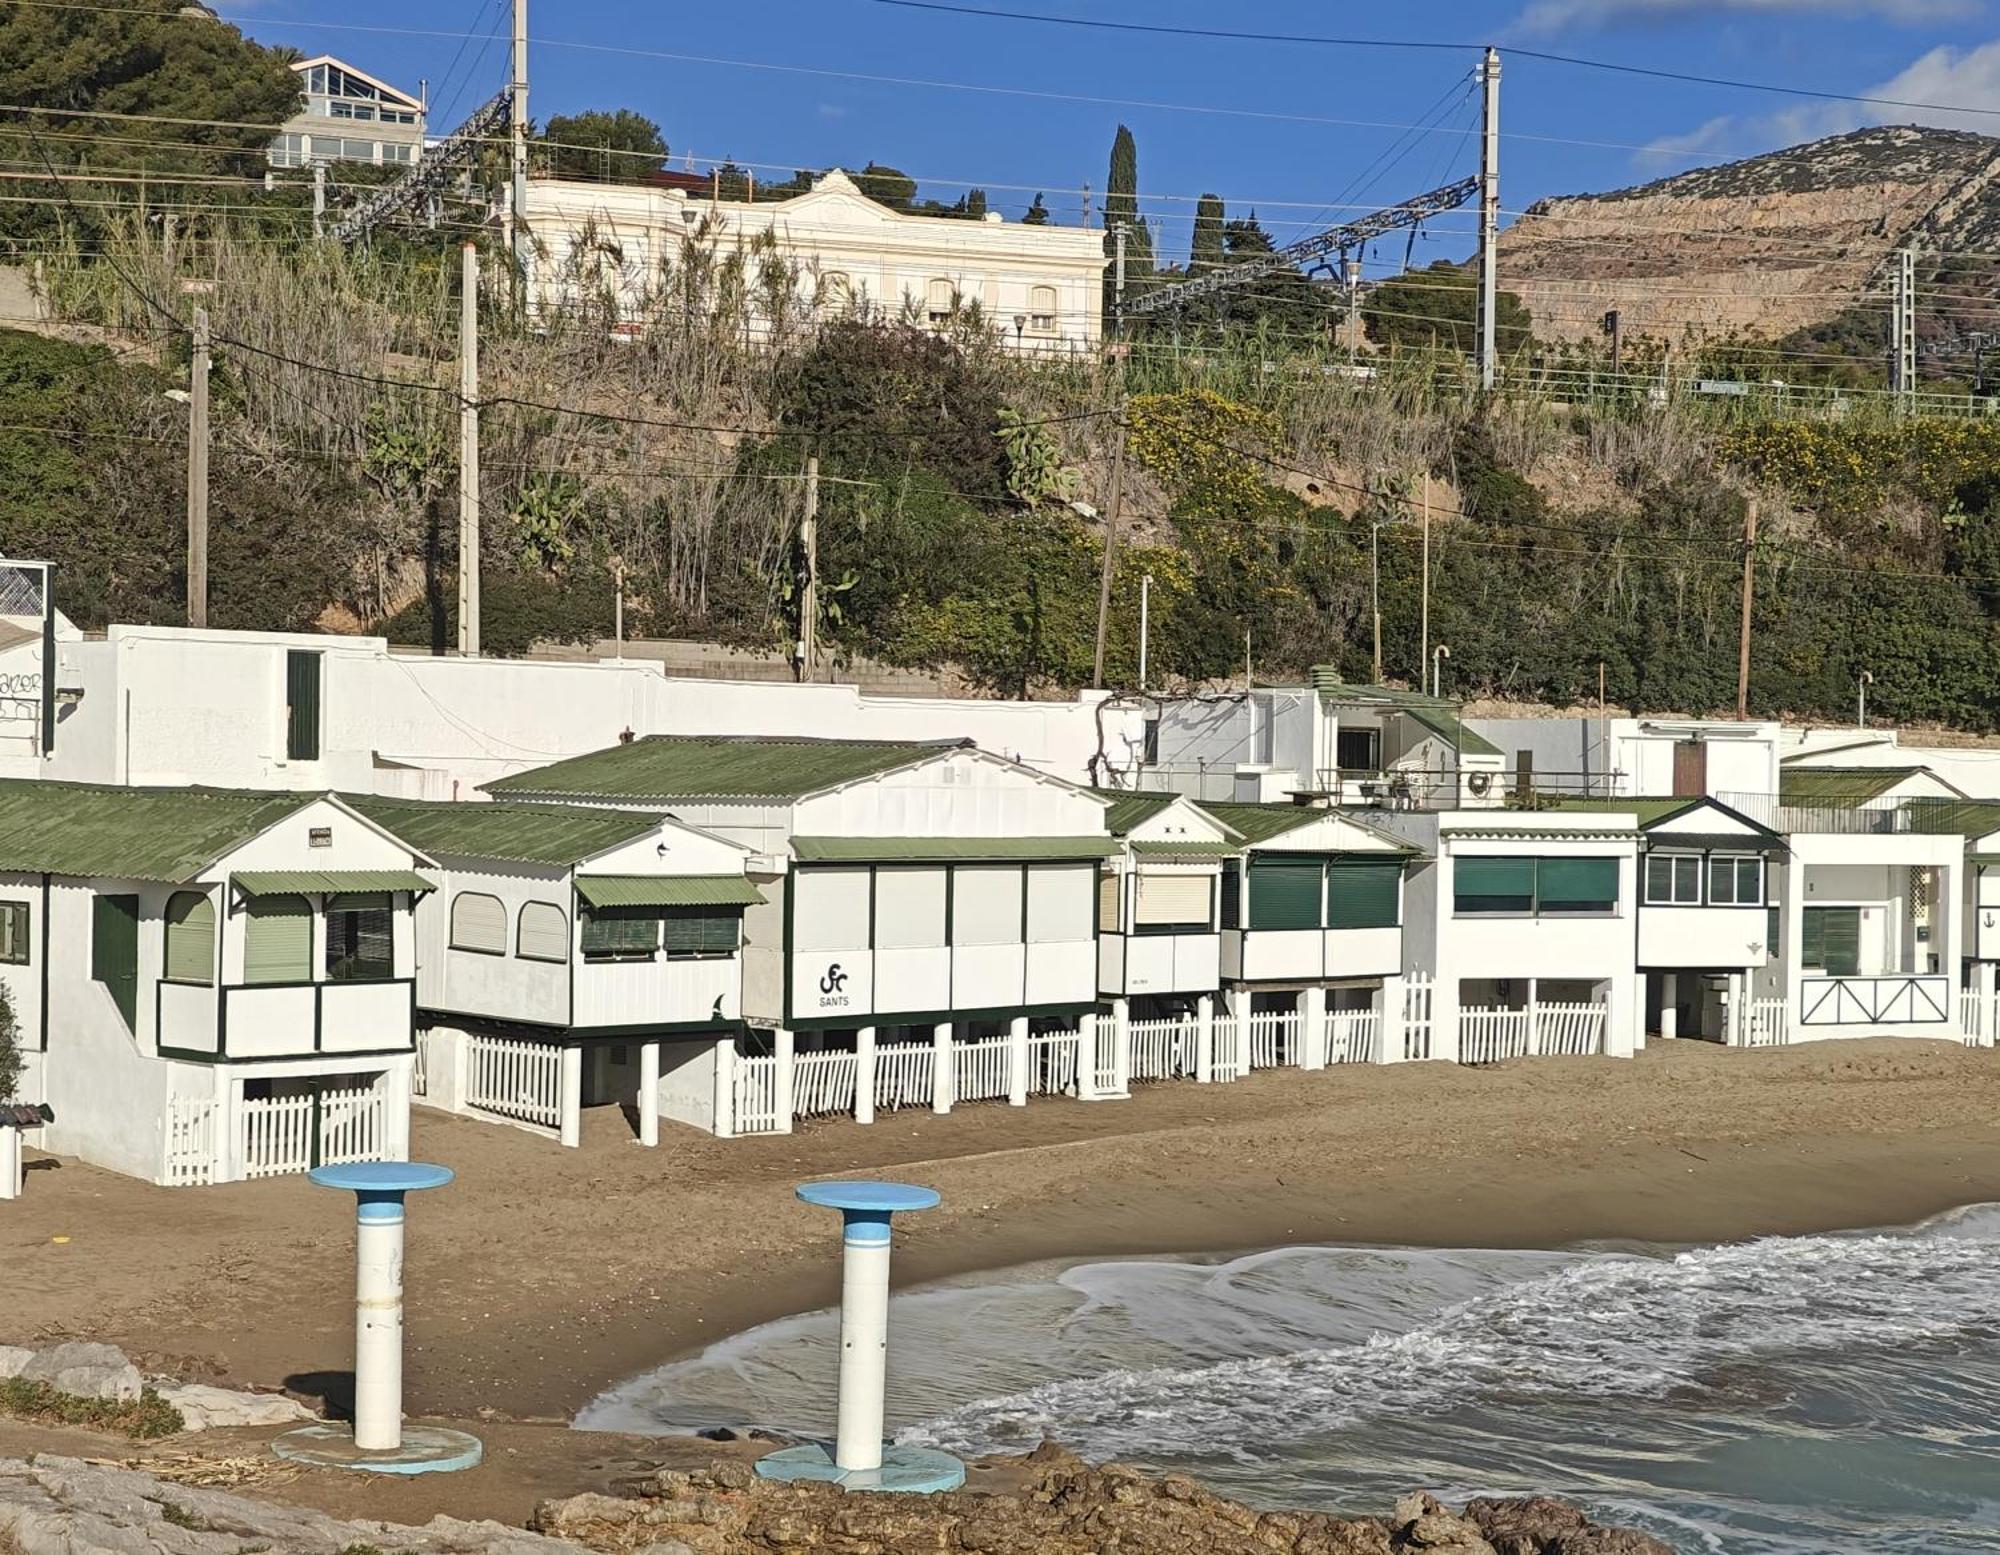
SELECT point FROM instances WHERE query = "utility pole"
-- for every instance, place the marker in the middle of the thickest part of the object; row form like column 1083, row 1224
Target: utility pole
column 319, row 201
column 618, row 606
column 1145, row 623
column 809, row 584
column 1743, row 639
column 468, row 451
column 519, row 94
column 1903, row 328
column 1352, row 271
column 1424, row 611
column 1614, row 326
column 1110, row 542
column 1489, row 215
column 1375, row 590
column 1118, row 282
column 197, row 496
column 1861, row 706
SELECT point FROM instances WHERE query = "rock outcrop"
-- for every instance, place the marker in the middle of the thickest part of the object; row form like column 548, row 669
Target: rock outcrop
column 1062, row 1506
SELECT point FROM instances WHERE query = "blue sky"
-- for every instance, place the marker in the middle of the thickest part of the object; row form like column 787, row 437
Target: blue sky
column 1307, row 132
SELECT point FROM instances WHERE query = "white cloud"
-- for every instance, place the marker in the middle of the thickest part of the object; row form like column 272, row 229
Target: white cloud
column 1546, row 16
column 1951, row 79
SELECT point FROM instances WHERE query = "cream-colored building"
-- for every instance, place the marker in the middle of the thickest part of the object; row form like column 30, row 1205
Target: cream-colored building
column 347, row 115
column 1039, row 287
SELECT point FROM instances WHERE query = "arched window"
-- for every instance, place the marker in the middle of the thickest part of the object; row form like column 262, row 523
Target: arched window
column 940, row 301
column 190, row 938
column 543, row 934
column 1042, row 309
column 478, row 922
column 836, row 294
column 277, row 940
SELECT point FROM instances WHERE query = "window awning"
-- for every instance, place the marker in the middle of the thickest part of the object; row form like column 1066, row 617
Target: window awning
column 286, row 882
column 922, row 850
column 667, row 891
column 1193, row 849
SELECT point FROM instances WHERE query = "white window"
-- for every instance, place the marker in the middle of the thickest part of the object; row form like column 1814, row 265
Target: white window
column 909, row 908
column 543, row 934
column 830, row 909
column 478, row 922
column 1042, row 309
column 986, row 904
column 1673, row 880
column 1059, row 903
column 940, row 301
column 1735, row 881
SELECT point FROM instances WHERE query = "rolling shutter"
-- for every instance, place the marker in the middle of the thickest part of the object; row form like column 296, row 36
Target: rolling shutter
column 1493, row 885
column 277, row 940
column 986, row 904
column 190, row 938
column 478, row 922
column 1287, row 893
column 909, row 908
column 1363, row 893
column 618, row 931
column 1577, row 884
column 1832, row 940
column 693, row 931
column 1107, row 902
column 1178, row 900
column 1059, row 903
column 543, row 934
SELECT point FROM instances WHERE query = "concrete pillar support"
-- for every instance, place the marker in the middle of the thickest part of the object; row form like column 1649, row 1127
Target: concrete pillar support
column 1017, row 1062
column 785, row 1045
column 864, row 1075
column 725, row 1088
column 1204, row 1038
column 571, row 1092
column 649, row 1093
column 1312, row 1028
column 941, row 1075
column 1086, row 1055
column 1390, row 1006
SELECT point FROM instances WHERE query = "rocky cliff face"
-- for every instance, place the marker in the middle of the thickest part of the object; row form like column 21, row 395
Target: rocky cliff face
column 1763, row 246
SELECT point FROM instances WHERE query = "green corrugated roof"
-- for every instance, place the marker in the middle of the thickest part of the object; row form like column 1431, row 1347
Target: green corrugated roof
column 1967, row 817
column 1132, row 807
column 276, row 882
column 162, row 834
column 1447, row 725
column 1188, row 848
column 1647, row 809
column 518, row 833
column 1435, row 713
column 862, row 850
column 674, row 766
column 1261, row 822
column 1839, row 785
column 667, row 891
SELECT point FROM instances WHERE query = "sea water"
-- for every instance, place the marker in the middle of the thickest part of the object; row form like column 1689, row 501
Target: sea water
column 1821, row 1393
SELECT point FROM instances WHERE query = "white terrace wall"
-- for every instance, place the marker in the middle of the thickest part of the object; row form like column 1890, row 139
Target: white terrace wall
column 475, row 982
column 958, row 795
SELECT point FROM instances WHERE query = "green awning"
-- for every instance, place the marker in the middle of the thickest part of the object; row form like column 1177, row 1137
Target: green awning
column 667, row 891
column 290, row 882
column 1168, row 848
column 909, row 850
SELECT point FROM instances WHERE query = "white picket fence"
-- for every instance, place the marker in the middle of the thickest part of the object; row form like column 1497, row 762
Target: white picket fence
column 980, row 1071
column 191, row 1141
column 903, row 1075
column 353, row 1125
column 420, row 1071
column 277, row 1135
column 1418, row 989
column 1230, row 1060
column 823, row 1084
column 285, row 1134
column 1164, row 1049
column 1766, row 1023
column 1052, row 1063
column 514, row 1079
column 753, row 1088
column 1485, row 1036
column 1104, row 1070
column 1569, row 1030
column 1977, row 1021
column 1353, row 1037
column 1274, row 1039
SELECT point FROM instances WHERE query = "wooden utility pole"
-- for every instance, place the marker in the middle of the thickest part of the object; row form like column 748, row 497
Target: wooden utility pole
column 1424, row 610
column 1110, row 545
column 1375, row 591
column 468, row 451
column 197, row 494
column 1743, row 641
column 809, row 585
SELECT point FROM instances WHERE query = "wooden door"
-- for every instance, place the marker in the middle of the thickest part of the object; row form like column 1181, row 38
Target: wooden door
column 1690, row 769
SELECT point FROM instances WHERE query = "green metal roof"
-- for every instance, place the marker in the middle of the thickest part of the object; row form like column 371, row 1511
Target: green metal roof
column 1190, row 849
column 667, row 891
column 1436, row 714
column 1447, row 725
column 1132, row 807
column 1967, row 817
column 674, row 766
column 1261, row 822
column 161, row 834
column 1851, row 786
column 517, row 833
column 905, row 850
column 287, row 882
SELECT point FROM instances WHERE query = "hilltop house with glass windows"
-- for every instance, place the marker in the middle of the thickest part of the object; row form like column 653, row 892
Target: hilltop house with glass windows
column 348, row 115
column 574, row 958
column 927, row 932
column 209, row 986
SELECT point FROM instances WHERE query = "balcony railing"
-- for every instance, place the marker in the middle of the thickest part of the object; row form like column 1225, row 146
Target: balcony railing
column 1831, row 815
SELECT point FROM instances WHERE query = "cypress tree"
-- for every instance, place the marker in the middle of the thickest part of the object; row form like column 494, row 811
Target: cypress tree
column 1038, row 214
column 1121, row 204
column 1207, row 251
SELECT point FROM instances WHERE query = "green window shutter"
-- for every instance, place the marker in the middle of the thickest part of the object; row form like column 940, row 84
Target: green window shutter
column 1493, row 885
column 361, row 937
column 1362, row 893
column 114, row 952
column 615, row 932
column 1842, row 930
column 190, row 937
column 1232, row 894
column 277, row 940
column 302, row 671
column 1812, row 938
column 1576, row 884
column 695, row 933
column 1772, row 916
column 1287, row 893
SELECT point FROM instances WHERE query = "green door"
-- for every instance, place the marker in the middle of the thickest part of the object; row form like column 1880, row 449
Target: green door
column 114, row 952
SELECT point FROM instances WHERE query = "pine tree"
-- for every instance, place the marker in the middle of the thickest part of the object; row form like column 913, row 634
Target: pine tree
column 1207, row 251
column 1121, row 204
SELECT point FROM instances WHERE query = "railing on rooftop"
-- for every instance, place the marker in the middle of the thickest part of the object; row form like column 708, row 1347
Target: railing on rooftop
column 1854, row 814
